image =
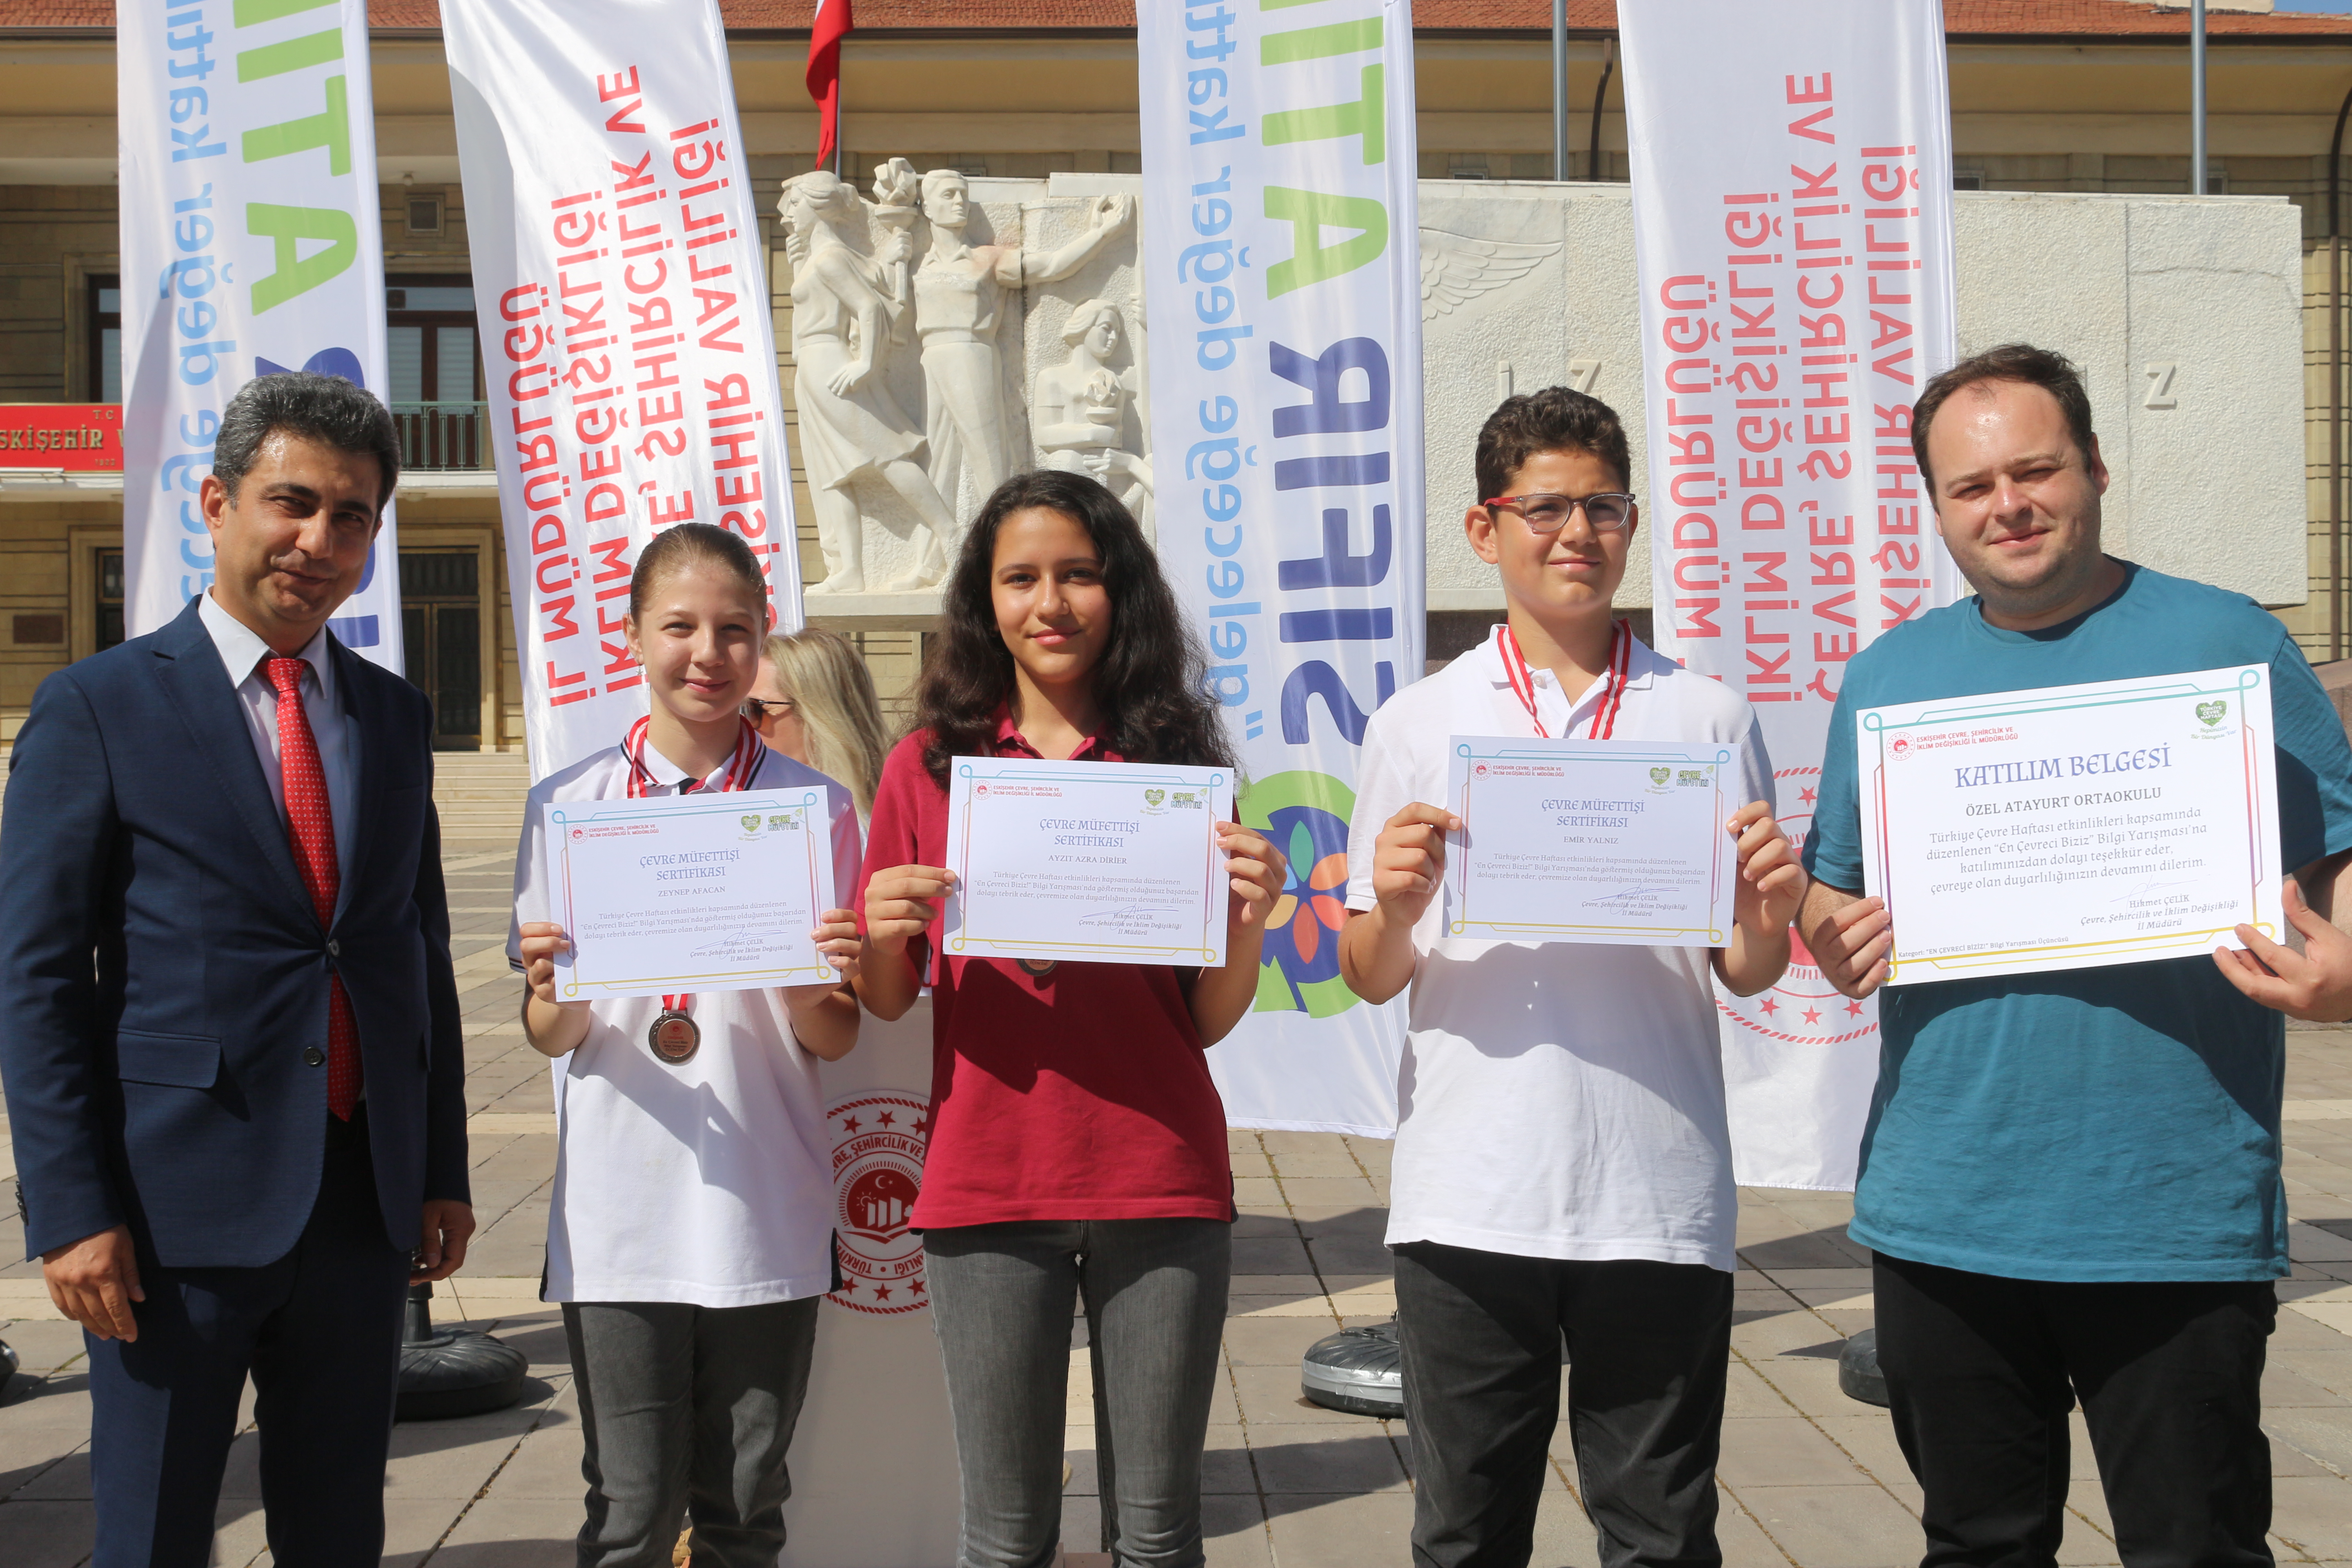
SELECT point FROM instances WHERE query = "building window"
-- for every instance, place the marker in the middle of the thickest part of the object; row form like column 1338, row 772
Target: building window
column 423, row 213
column 1968, row 178
column 105, row 313
column 110, row 598
column 434, row 376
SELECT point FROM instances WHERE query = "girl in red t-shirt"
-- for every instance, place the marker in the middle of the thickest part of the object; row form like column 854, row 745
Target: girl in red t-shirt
column 1077, row 1147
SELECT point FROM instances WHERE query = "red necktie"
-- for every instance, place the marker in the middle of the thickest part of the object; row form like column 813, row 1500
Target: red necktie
column 311, row 825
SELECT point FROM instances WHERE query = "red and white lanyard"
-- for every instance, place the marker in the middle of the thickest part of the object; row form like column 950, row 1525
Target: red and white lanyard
column 740, row 769
column 1612, row 681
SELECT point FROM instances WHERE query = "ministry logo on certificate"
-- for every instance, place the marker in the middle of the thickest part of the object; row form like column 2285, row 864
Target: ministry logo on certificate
column 2114, row 822
column 1092, row 862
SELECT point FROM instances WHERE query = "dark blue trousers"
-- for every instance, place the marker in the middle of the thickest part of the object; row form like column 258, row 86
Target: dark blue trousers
column 319, row 1330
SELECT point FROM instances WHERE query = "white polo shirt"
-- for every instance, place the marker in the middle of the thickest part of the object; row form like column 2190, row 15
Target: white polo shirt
column 1556, row 1099
column 708, row 1181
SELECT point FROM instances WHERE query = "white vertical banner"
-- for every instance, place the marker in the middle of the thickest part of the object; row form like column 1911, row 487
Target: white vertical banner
column 626, row 344
column 1282, row 277
column 1792, row 210
column 251, row 244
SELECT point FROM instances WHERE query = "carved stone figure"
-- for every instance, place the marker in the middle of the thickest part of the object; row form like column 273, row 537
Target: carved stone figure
column 958, row 307
column 1078, row 410
column 847, row 308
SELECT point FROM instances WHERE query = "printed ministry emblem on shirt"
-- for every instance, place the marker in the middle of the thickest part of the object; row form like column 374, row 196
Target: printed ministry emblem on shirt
column 878, row 1171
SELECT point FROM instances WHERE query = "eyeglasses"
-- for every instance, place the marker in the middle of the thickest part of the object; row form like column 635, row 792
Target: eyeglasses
column 1607, row 512
column 758, row 710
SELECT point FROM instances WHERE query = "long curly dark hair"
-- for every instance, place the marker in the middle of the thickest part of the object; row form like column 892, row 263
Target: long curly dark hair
column 1152, row 683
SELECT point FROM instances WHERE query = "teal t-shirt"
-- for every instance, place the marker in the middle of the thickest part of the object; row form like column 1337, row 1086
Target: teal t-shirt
column 2099, row 1125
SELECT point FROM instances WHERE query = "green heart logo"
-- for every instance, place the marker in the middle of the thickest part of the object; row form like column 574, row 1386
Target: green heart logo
column 1660, row 775
column 2211, row 711
column 1154, row 796
column 752, row 823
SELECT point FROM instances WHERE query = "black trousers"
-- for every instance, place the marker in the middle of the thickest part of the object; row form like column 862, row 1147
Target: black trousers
column 1982, row 1370
column 320, row 1332
column 1649, row 1344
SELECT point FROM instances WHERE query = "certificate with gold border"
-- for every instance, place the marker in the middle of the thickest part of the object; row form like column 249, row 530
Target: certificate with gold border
column 1087, row 862
column 2069, row 827
column 1598, row 841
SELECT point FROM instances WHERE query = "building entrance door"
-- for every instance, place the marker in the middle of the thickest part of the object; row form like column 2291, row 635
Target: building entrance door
column 441, row 621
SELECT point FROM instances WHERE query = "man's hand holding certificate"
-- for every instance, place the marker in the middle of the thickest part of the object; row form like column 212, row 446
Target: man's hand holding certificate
column 1091, row 861
column 714, row 891
column 2107, row 823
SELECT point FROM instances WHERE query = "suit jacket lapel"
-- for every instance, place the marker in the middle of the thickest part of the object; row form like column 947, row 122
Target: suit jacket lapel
column 202, row 694
column 363, row 705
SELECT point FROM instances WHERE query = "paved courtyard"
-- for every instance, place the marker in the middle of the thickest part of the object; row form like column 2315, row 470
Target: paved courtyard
column 1809, row 1477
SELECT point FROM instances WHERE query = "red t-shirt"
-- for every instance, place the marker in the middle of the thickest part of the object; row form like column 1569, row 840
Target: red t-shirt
column 1082, row 1093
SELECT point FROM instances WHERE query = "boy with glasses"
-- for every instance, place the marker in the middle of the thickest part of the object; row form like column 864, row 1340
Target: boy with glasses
column 1563, row 1156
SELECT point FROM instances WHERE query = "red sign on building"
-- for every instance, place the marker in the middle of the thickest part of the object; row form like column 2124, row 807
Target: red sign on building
column 84, row 438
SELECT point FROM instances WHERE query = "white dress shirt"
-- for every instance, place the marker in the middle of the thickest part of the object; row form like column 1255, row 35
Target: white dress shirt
column 1555, row 1099
column 242, row 651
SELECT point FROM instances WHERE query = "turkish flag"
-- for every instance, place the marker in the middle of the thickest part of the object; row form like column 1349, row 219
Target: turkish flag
column 832, row 22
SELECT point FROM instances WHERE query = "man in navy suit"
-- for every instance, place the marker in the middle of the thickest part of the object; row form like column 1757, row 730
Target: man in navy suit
column 228, row 1027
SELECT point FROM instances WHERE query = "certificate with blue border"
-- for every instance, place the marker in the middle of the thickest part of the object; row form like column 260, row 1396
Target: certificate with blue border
column 1088, row 862
column 1598, row 841
column 716, row 891
column 2069, row 826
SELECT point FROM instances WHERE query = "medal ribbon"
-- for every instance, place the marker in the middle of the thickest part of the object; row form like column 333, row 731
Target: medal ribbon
column 1612, row 681
column 740, row 769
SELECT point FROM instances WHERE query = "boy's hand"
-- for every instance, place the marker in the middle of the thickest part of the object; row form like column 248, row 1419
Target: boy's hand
column 902, row 902
column 1771, row 882
column 1408, row 860
column 1257, row 869
column 837, row 941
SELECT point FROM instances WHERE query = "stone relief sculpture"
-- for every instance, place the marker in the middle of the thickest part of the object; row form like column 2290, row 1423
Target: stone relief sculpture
column 1455, row 268
column 915, row 398
column 848, row 310
column 1078, row 413
column 958, row 307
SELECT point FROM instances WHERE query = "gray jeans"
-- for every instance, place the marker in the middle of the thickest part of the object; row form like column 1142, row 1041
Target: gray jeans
column 686, row 1408
column 1001, row 1299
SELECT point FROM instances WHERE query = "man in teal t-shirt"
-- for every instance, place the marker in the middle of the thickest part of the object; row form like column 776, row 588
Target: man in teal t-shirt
column 2071, row 1180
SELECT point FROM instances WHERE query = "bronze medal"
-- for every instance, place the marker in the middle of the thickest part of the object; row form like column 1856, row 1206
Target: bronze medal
column 1037, row 967
column 675, row 1037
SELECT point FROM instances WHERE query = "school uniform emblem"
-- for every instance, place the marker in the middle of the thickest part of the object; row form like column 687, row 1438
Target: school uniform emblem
column 879, row 1138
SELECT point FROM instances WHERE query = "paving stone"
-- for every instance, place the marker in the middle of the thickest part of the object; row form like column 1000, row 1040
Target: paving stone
column 1857, row 1526
column 524, row 1533
column 1313, row 1459
column 1225, row 1468
column 1233, row 1532
column 1867, row 1437
column 1782, row 1451
column 2315, row 1515
column 1340, row 1530
column 44, row 1344
column 1270, row 1256
column 1347, row 1254
column 46, row 1535
column 1272, row 1341
column 1742, row 1539
column 1270, row 1395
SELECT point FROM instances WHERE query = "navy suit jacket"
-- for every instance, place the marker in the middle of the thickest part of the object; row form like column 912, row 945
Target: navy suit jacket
column 163, row 975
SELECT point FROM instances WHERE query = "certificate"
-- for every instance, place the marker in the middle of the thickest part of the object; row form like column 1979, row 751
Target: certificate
column 1604, row 841
column 2074, row 826
column 1100, row 862
column 715, row 891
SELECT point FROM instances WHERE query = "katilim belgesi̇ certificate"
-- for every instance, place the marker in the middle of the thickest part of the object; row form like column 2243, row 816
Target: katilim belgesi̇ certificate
column 2074, row 826
column 1606, row 841
column 1108, row 862
column 710, row 891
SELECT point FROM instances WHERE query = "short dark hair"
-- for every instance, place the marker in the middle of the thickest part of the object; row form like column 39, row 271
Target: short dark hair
column 1553, row 420
column 2053, row 372
column 327, row 409
column 685, row 544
